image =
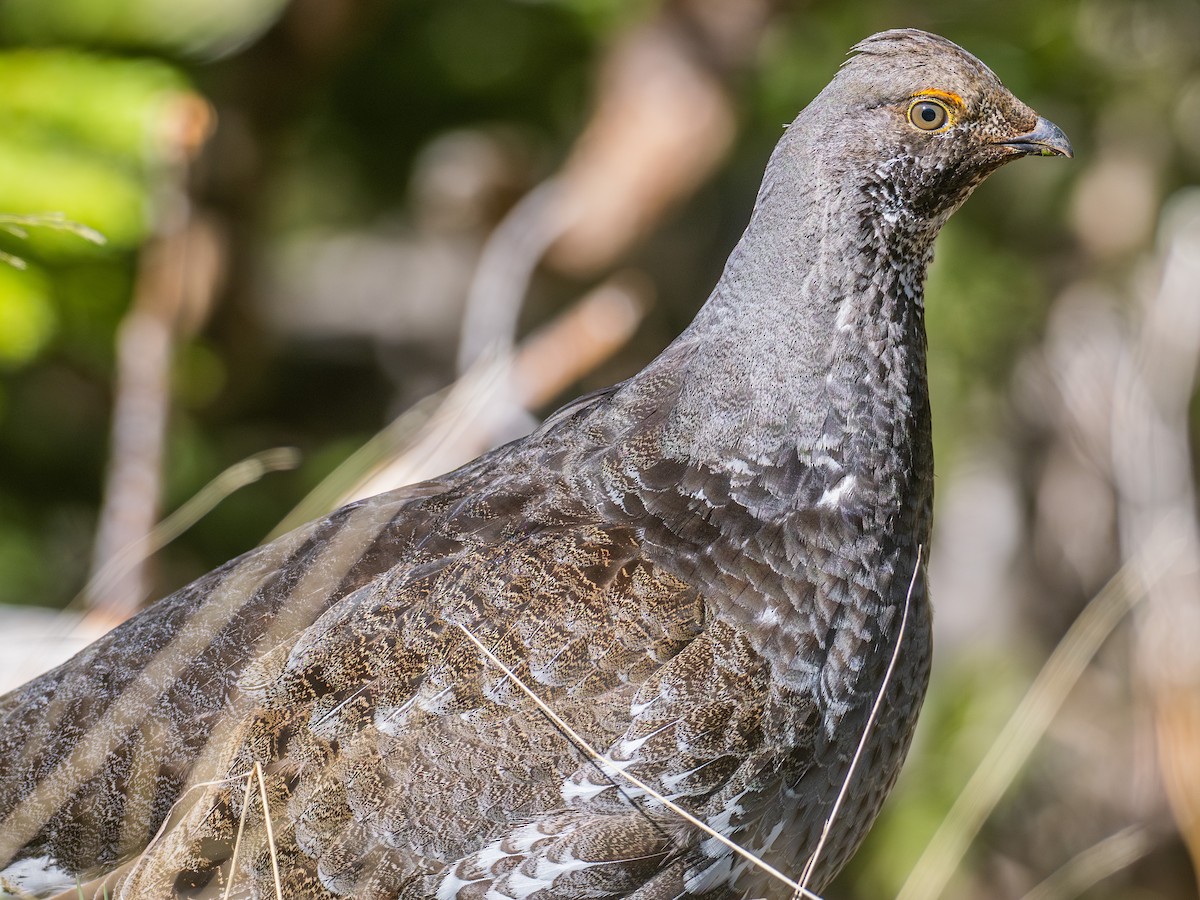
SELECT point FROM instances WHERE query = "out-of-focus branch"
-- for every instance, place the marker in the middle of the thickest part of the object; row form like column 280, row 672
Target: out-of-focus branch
column 478, row 409
column 176, row 281
column 506, row 266
column 663, row 121
column 1152, row 468
column 584, row 336
column 460, row 423
column 1094, row 864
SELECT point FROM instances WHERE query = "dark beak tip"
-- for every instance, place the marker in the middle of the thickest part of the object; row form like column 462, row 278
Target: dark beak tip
column 1062, row 148
column 1046, row 139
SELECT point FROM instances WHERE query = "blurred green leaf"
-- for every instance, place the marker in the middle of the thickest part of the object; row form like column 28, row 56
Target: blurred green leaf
column 27, row 317
column 37, row 176
column 198, row 27
column 109, row 106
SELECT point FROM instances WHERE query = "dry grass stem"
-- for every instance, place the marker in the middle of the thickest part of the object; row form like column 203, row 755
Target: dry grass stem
column 262, row 792
column 610, row 770
column 1094, row 864
column 230, row 481
column 18, row 227
column 15, row 261
column 811, row 865
column 361, row 467
column 135, row 864
column 237, row 842
column 1020, row 735
column 30, row 661
column 456, row 430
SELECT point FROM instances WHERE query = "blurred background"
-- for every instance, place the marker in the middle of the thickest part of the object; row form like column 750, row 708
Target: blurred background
column 261, row 256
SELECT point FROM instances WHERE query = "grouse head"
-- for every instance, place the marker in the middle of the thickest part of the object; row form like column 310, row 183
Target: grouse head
column 916, row 122
column 831, row 268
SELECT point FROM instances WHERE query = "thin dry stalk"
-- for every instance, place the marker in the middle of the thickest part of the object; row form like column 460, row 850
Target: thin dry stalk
column 1020, row 735
column 18, row 226
column 262, row 792
column 1093, row 865
column 230, row 481
column 495, row 392
column 26, row 662
column 134, row 865
column 579, row 741
column 811, row 866
column 459, row 428
column 394, row 441
column 237, row 842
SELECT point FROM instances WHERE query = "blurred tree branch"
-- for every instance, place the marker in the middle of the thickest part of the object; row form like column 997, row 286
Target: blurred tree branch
column 177, row 280
column 663, row 120
column 469, row 416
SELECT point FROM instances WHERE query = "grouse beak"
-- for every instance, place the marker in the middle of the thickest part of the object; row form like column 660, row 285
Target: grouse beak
column 1046, row 139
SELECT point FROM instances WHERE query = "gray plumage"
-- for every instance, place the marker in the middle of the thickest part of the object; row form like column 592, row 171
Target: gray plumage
column 703, row 570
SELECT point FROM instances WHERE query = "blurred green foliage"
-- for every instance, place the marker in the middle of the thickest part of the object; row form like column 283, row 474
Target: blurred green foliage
column 195, row 27
column 108, row 106
column 963, row 712
column 82, row 138
column 79, row 141
column 27, row 318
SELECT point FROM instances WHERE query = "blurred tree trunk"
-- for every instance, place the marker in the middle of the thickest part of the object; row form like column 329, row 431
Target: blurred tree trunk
column 176, row 282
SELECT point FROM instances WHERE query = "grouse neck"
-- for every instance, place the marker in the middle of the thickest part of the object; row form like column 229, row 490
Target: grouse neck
column 813, row 341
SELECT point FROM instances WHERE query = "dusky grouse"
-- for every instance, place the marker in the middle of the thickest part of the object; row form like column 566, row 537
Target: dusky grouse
column 705, row 571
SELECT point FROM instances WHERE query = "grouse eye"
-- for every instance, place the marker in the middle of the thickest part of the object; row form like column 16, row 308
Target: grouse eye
column 928, row 115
